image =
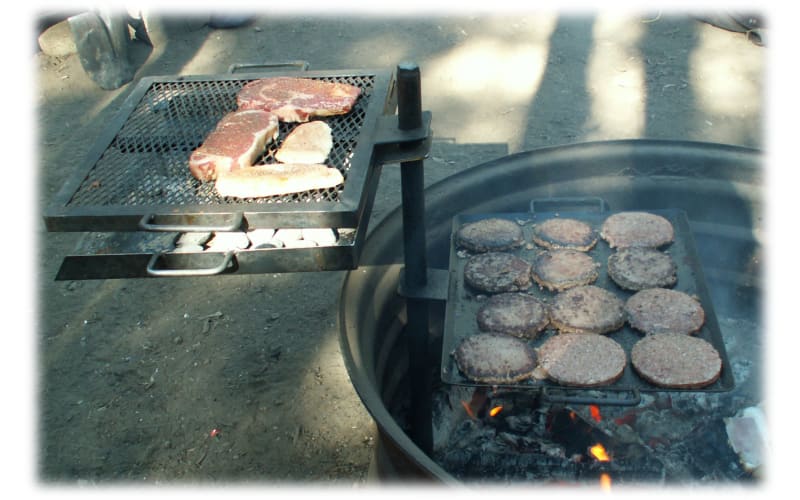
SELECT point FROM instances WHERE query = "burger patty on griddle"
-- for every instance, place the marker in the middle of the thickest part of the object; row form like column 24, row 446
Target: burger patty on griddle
column 587, row 309
column 495, row 272
column 494, row 358
column 558, row 270
column 490, row 235
column 637, row 229
column 564, row 233
column 676, row 361
column 661, row 310
column 586, row 360
column 517, row 314
column 638, row 268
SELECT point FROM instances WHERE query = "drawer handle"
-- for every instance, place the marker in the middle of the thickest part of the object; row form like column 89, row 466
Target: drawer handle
column 153, row 271
column 146, row 224
column 634, row 400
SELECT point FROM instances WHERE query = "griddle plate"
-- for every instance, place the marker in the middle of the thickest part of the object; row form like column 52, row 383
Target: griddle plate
column 463, row 303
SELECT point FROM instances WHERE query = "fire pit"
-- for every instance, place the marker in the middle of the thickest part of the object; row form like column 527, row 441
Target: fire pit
column 485, row 434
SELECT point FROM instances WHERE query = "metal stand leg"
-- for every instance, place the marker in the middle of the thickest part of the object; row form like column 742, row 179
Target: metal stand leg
column 409, row 107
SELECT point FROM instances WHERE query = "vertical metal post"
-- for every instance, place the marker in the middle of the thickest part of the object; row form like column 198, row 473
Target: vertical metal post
column 409, row 111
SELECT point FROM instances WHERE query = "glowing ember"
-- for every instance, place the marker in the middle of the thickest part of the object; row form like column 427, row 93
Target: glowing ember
column 605, row 482
column 599, row 452
column 494, row 411
column 468, row 410
column 595, row 411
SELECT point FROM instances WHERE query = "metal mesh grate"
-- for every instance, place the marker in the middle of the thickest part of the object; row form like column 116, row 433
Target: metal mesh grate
column 147, row 161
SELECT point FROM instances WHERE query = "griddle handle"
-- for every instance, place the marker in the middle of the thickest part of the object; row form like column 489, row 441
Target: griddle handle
column 302, row 65
column 234, row 225
column 585, row 400
column 162, row 273
column 590, row 204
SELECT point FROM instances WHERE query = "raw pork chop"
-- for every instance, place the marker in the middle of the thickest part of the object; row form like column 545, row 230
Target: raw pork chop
column 308, row 143
column 277, row 179
column 298, row 99
column 236, row 142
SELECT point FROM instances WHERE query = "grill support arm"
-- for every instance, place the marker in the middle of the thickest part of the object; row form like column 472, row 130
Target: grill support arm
column 409, row 111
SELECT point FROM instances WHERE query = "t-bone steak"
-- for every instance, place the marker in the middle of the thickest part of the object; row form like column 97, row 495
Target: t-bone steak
column 298, row 99
column 236, row 142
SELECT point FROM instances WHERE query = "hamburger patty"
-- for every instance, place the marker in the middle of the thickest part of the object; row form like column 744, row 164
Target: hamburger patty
column 637, row 229
column 517, row 314
column 587, row 309
column 564, row 233
column 676, row 361
column 495, row 272
column 660, row 310
column 639, row 268
column 558, row 270
column 489, row 235
column 582, row 360
column 495, row 358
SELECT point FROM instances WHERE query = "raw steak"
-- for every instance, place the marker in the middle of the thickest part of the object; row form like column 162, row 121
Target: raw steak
column 236, row 142
column 298, row 99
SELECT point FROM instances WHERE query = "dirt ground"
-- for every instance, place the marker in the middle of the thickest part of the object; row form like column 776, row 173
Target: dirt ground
column 133, row 376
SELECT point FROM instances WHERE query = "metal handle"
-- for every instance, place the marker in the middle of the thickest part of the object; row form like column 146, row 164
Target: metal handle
column 585, row 400
column 146, row 225
column 303, row 65
column 567, row 204
column 152, row 271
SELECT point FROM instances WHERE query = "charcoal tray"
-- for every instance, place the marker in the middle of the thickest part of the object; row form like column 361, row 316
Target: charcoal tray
column 463, row 303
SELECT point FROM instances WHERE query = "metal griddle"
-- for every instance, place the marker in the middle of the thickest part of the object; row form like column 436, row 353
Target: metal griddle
column 463, row 302
column 136, row 179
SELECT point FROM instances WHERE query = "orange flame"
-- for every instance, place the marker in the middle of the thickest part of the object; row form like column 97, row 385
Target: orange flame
column 605, row 482
column 599, row 452
column 595, row 411
column 494, row 411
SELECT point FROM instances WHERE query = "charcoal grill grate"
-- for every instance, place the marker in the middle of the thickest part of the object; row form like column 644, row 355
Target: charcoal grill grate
column 146, row 163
